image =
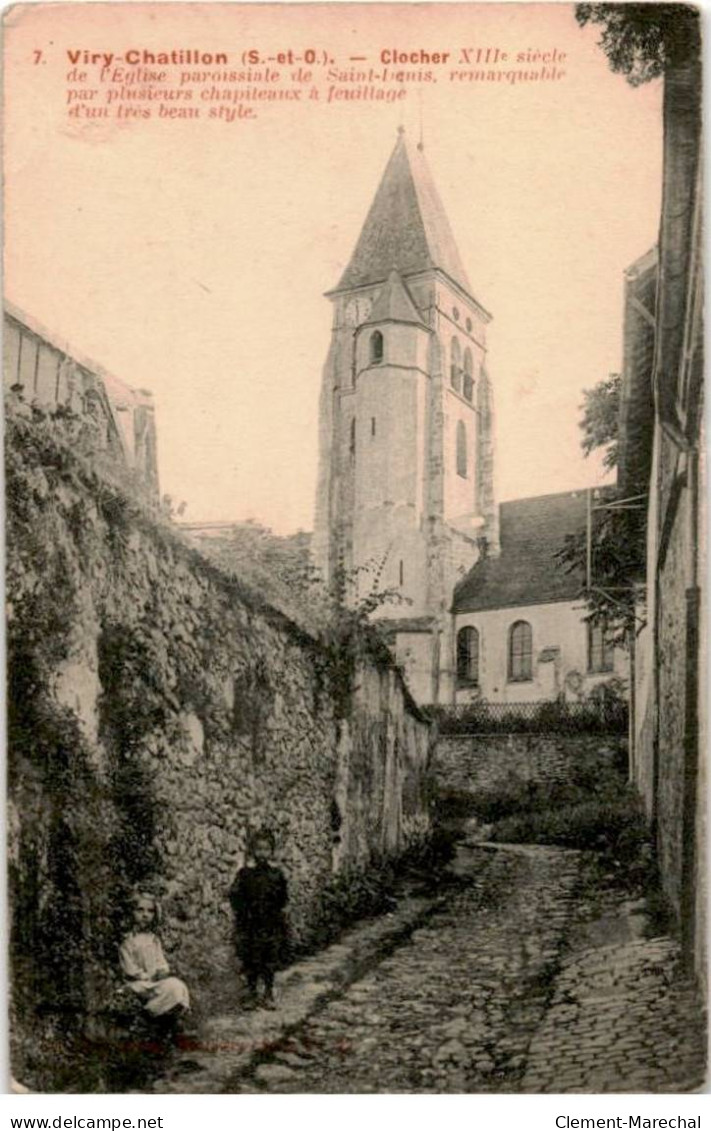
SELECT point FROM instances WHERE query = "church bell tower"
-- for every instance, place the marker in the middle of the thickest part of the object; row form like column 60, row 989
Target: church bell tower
column 405, row 496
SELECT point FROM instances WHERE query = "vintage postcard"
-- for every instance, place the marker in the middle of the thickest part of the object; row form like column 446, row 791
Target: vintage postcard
column 355, row 515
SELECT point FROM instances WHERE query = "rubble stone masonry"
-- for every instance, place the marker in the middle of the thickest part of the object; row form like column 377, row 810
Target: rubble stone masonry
column 158, row 713
column 482, row 762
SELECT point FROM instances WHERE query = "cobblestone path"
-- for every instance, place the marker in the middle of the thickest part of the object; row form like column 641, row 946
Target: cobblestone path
column 453, row 1009
column 526, row 976
column 622, row 1019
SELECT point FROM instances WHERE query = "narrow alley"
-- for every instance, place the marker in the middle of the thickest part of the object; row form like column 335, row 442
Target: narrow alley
column 502, row 987
column 455, row 1008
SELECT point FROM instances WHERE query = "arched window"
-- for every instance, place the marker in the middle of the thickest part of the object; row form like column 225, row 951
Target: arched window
column 376, row 347
column 461, row 449
column 520, row 651
column 468, row 656
column 468, row 378
column 352, row 442
column 455, row 369
column 601, row 650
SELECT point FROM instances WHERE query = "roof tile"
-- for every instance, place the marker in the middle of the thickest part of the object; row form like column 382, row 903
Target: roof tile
column 394, row 304
column 406, row 226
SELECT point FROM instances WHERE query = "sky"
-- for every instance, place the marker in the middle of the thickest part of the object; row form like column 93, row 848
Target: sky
column 191, row 257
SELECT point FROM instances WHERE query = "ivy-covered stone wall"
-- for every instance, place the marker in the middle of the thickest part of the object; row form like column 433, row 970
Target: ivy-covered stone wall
column 158, row 712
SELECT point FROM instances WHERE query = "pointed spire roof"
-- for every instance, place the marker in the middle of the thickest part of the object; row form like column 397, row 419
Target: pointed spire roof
column 394, row 303
column 406, row 225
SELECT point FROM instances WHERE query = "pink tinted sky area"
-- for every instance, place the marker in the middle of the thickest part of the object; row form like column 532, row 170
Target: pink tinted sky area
column 191, row 257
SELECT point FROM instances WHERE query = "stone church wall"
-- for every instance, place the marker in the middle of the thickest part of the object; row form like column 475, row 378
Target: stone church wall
column 158, row 712
column 560, row 650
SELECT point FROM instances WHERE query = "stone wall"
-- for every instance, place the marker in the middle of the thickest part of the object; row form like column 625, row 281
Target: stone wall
column 679, row 805
column 484, row 762
column 670, row 717
column 158, row 713
column 676, row 575
column 672, row 661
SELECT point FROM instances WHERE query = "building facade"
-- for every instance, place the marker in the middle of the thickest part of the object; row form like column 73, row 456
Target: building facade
column 662, row 445
column 520, row 628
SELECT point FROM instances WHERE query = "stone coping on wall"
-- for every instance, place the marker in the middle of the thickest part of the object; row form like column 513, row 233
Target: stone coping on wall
column 602, row 736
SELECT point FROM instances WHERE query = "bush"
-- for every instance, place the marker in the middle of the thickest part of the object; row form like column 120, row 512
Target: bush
column 612, row 824
column 353, row 895
column 604, row 712
column 595, row 809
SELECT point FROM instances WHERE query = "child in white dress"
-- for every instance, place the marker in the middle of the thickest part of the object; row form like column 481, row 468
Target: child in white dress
column 144, row 965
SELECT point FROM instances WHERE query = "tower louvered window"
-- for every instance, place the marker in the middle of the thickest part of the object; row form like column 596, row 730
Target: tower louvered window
column 455, row 369
column 468, row 376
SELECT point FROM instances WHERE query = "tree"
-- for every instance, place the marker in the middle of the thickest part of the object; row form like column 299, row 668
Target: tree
column 600, row 422
column 338, row 613
column 277, row 567
column 611, row 595
column 642, row 41
column 280, row 569
column 617, row 550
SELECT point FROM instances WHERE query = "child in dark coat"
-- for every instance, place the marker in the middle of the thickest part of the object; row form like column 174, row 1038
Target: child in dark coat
column 258, row 897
